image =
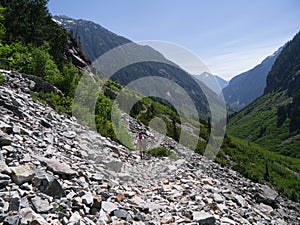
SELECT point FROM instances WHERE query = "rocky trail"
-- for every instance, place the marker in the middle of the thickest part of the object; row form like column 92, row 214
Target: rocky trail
column 55, row 171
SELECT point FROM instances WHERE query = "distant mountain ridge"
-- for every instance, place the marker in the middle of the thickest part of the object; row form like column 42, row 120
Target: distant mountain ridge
column 248, row 86
column 214, row 82
column 96, row 40
column 273, row 120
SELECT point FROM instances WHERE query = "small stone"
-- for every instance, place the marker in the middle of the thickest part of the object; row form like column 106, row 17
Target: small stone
column 14, row 204
column 48, row 184
column 121, row 213
column 60, row 168
column 5, row 139
column 22, row 174
column 266, row 209
column 167, row 218
column 28, row 216
column 75, row 218
column 5, row 128
column 240, row 201
column 267, row 196
column 228, row 221
column 69, row 134
column 11, row 220
column 4, row 180
column 16, row 129
column 87, row 199
column 218, row 198
column 208, row 181
column 40, row 205
column 204, row 218
column 109, row 207
column 129, row 194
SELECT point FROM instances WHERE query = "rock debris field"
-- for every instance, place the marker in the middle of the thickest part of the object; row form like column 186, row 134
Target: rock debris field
column 55, row 171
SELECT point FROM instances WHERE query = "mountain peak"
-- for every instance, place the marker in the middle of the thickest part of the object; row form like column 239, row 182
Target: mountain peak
column 213, row 82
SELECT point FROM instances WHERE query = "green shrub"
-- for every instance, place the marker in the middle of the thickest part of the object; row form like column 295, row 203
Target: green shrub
column 160, row 152
column 58, row 103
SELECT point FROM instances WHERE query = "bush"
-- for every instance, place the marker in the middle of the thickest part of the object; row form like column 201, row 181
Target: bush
column 59, row 104
column 160, row 152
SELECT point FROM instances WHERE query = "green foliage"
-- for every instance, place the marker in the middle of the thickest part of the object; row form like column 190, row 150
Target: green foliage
column 2, row 27
column 267, row 122
column 2, row 79
column 71, row 76
column 261, row 165
column 283, row 74
column 103, row 116
column 42, row 65
column 160, row 152
column 38, row 61
column 29, row 22
column 120, row 130
column 57, row 102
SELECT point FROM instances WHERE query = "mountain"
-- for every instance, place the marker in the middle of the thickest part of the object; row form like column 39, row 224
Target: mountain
column 56, row 171
column 96, row 40
column 248, row 86
column 273, row 120
column 214, row 82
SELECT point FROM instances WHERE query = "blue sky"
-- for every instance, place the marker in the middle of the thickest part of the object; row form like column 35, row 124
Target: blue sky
column 229, row 36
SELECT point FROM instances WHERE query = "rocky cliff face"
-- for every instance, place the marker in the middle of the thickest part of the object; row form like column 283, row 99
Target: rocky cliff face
column 55, row 171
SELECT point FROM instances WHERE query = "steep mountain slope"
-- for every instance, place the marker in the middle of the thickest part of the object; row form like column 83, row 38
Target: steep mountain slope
column 273, row 121
column 96, row 40
column 214, row 82
column 248, row 86
column 52, row 172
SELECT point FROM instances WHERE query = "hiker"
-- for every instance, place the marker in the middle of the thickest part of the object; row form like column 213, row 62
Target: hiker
column 143, row 144
column 139, row 143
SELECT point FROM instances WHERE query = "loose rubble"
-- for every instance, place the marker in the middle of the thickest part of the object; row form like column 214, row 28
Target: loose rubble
column 55, row 171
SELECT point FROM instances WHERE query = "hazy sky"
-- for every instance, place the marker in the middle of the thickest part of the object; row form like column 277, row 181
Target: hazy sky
column 230, row 36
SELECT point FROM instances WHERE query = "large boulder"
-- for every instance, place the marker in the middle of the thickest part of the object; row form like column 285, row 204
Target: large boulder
column 22, row 174
column 48, row 184
column 267, row 196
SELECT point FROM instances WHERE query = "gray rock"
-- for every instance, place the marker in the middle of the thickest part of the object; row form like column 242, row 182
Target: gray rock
column 218, row 198
column 14, row 204
column 75, row 218
column 5, row 139
column 109, row 207
column 5, row 128
column 40, row 205
column 87, row 199
column 16, row 129
column 240, row 201
column 69, row 134
column 59, row 168
column 48, row 184
column 4, row 180
column 204, row 218
column 2, row 216
column 267, row 196
column 24, row 203
column 28, row 216
column 11, row 220
column 22, row 174
column 121, row 213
